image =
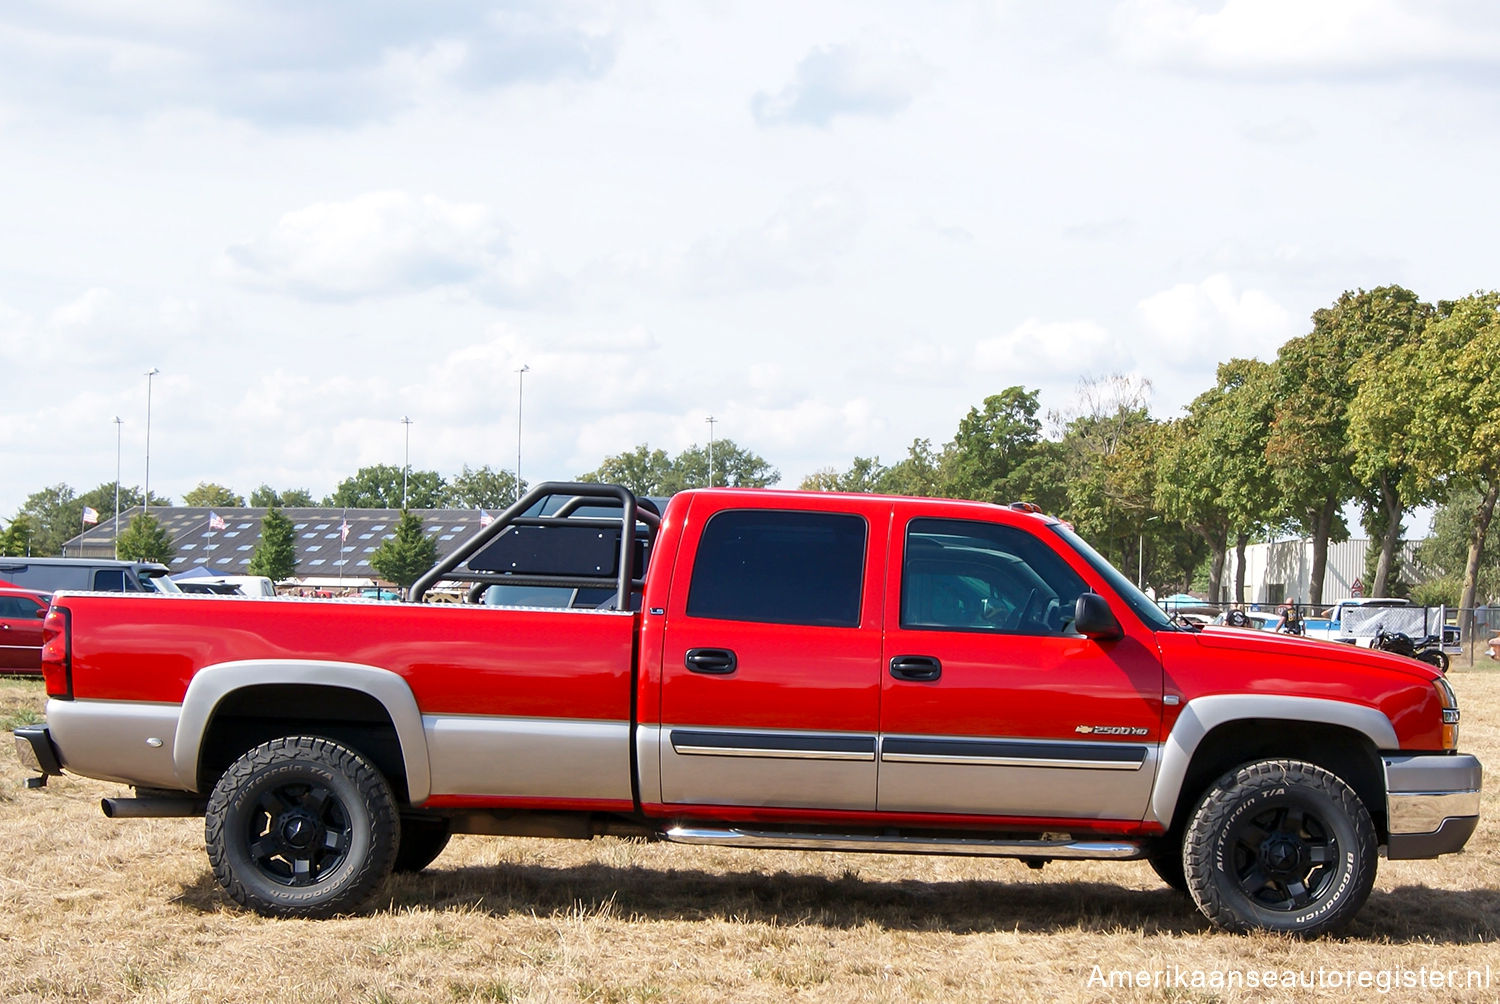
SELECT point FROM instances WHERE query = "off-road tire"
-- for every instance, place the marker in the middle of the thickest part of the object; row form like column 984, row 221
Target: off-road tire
column 1164, row 855
column 1280, row 845
column 301, row 827
column 422, row 840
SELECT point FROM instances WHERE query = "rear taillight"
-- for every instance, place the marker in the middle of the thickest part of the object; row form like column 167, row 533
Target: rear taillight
column 57, row 666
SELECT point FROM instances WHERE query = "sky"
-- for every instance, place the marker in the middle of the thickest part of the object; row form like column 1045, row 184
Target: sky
column 834, row 227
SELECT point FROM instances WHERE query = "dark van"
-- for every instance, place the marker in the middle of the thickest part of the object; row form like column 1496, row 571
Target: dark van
column 99, row 575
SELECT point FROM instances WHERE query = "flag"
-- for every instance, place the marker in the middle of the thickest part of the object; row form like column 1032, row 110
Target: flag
column 485, row 519
column 90, row 515
column 216, row 522
column 343, row 531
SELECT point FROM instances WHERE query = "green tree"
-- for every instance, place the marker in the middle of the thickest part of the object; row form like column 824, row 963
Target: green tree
column 1454, row 435
column 997, row 454
column 210, row 495
column 1380, row 417
column 643, row 470
column 1210, row 474
column 403, row 557
column 1310, row 451
column 265, row 497
column 275, row 553
column 734, row 467
column 865, row 475
column 651, row 472
column 1105, row 477
column 145, row 539
column 55, row 513
column 380, row 487
column 482, row 488
column 1444, row 554
column 15, row 539
column 919, row 474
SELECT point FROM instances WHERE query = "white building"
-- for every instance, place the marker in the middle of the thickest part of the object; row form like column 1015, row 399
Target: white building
column 1283, row 568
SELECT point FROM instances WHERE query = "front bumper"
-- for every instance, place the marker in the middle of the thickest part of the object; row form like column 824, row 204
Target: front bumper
column 35, row 751
column 1432, row 803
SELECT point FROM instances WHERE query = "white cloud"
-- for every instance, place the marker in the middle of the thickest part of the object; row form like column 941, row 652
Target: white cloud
column 868, row 79
column 1037, row 352
column 1199, row 324
column 797, row 244
column 384, row 244
column 293, row 63
column 1312, row 37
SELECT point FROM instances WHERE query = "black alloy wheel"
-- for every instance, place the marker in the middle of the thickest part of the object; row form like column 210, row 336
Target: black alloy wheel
column 1280, row 845
column 301, row 827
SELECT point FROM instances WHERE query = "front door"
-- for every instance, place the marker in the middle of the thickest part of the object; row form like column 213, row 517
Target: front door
column 991, row 704
column 771, row 659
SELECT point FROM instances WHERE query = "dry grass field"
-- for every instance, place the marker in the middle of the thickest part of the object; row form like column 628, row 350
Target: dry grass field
column 111, row 910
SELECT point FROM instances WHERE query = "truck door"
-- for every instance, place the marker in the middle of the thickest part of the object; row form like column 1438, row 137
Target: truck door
column 771, row 658
column 990, row 703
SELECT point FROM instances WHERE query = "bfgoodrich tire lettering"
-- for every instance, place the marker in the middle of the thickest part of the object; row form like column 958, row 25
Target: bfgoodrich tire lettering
column 1280, row 845
column 301, row 827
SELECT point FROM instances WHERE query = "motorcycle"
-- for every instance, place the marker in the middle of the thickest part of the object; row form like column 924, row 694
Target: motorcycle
column 1428, row 649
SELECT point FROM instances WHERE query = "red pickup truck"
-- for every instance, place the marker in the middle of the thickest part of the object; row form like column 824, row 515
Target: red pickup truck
column 789, row 670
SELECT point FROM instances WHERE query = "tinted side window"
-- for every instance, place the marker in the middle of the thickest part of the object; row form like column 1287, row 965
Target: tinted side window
column 780, row 568
column 15, row 606
column 109, row 580
column 971, row 576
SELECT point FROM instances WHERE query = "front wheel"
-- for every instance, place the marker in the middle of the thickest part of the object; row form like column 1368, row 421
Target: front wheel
column 301, row 827
column 1280, row 845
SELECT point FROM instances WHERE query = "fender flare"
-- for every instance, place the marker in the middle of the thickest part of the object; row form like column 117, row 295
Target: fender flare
column 1202, row 715
column 212, row 684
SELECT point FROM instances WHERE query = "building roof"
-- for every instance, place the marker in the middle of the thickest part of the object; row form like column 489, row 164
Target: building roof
column 320, row 551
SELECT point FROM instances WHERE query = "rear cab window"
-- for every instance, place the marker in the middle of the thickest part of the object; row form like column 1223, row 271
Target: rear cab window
column 780, row 567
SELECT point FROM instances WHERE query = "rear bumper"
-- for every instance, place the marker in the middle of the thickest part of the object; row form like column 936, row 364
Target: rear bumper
column 35, row 751
column 1432, row 803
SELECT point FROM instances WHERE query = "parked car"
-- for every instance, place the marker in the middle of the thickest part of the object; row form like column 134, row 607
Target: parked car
column 21, row 613
column 98, row 575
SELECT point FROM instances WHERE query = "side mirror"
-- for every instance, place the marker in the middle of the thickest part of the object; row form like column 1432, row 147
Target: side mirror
column 41, row 613
column 1092, row 618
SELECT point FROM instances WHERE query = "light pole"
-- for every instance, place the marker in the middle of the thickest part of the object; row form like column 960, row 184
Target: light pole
column 710, row 420
column 146, row 501
column 119, row 427
column 406, row 461
column 520, row 392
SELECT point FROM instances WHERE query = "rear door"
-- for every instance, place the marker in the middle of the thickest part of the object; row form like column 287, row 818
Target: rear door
column 771, row 656
column 20, row 633
column 991, row 703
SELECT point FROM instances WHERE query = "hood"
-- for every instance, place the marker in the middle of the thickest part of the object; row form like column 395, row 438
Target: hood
column 1294, row 647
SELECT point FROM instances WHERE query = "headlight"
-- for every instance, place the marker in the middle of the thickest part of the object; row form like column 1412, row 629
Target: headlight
column 1449, row 702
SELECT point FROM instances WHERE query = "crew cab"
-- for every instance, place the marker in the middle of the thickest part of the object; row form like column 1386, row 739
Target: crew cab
column 774, row 669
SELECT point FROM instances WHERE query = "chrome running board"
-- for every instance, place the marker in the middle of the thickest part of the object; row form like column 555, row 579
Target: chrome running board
column 894, row 844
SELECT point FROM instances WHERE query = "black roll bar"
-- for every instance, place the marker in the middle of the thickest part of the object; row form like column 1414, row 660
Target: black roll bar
column 627, row 579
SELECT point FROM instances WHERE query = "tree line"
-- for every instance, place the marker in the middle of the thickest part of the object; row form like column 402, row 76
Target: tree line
column 1388, row 403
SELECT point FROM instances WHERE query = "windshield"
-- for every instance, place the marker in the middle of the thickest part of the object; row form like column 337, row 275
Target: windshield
column 1153, row 615
column 158, row 581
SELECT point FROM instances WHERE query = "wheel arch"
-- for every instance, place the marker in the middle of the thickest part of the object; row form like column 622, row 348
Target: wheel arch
column 350, row 696
column 1215, row 734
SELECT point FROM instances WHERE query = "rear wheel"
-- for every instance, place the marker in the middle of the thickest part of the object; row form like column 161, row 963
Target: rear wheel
column 1280, row 845
column 1436, row 658
column 301, row 827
